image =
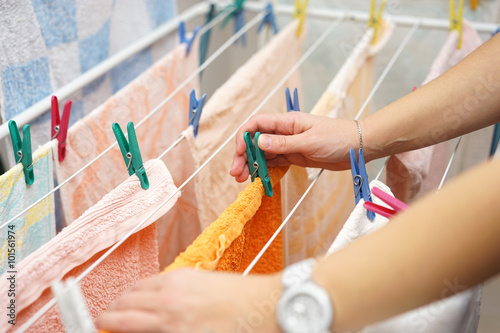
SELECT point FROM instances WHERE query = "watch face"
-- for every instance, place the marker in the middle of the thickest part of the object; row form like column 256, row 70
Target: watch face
column 303, row 312
column 305, row 309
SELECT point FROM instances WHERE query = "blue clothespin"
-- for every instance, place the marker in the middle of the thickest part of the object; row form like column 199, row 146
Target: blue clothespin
column 22, row 150
column 195, row 109
column 292, row 105
column 494, row 33
column 269, row 19
column 360, row 180
column 257, row 164
column 131, row 153
column 184, row 39
column 238, row 13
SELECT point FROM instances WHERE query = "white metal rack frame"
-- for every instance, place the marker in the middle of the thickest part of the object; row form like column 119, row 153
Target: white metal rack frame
column 321, row 13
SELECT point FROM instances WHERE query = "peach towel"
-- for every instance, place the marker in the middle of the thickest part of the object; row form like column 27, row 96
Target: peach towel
column 412, row 174
column 230, row 105
column 317, row 221
column 81, row 243
column 92, row 134
column 241, row 231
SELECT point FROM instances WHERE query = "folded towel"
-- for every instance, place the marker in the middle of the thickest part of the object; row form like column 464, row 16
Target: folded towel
column 84, row 241
column 317, row 221
column 38, row 225
column 457, row 314
column 413, row 174
column 236, row 237
column 93, row 134
column 227, row 109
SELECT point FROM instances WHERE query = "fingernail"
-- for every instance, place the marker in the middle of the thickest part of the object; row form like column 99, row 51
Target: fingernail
column 265, row 142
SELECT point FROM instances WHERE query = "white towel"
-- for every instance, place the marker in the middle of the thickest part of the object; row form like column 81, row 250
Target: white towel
column 456, row 314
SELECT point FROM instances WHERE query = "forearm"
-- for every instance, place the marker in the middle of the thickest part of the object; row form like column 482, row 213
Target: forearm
column 444, row 239
column 462, row 100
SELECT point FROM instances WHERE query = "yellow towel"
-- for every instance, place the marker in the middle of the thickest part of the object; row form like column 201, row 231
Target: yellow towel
column 234, row 239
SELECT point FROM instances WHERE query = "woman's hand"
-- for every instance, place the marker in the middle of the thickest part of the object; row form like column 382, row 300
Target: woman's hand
column 189, row 301
column 298, row 138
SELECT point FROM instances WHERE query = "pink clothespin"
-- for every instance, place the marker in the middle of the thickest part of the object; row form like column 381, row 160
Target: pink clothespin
column 396, row 204
column 414, row 88
column 59, row 127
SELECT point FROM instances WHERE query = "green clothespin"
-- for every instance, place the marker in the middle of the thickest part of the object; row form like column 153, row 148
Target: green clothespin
column 22, row 150
column 257, row 162
column 131, row 153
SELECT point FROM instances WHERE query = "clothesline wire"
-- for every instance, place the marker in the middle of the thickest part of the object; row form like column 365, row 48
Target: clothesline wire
column 382, row 168
column 306, row 55
column 449, row 165
column 372, row 92
column 214, row 56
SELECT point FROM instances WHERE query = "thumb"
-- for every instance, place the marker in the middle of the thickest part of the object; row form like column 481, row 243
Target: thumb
column 280, row 144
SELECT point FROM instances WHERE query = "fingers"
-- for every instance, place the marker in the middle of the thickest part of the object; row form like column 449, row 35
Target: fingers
column 273, row 123
column 142, row 300
column 131, row 321
column 282, row 144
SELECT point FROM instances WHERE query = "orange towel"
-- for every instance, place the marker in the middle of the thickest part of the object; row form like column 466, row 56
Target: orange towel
column 234, row 239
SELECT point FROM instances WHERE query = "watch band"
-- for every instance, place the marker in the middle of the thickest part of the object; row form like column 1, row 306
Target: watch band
column 298, row 273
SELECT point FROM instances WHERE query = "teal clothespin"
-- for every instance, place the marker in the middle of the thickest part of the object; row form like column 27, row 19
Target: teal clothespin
column 257, row 164
column 22, row 150
column 238, row 13
column 131, row 153
column 205, row 38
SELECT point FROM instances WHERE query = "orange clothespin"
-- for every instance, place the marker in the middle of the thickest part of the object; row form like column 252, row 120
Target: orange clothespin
column 474, row 4
column 300, row 13
column 456, row 20
column 376, row 18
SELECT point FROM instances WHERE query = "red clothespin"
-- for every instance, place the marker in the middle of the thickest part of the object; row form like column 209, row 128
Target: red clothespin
column 396, row 204
column 59, row 128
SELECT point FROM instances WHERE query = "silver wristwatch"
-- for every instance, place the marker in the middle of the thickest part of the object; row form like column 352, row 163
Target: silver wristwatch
column 304, row 306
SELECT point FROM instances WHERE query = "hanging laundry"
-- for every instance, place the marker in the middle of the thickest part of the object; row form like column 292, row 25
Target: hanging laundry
column 228, row 108
column 231, row 242
column 84, row 241
column 39, row 225
column 93, row 134
column 319, row 218
column 459, row 313
column 47, row 44
column 413, row 174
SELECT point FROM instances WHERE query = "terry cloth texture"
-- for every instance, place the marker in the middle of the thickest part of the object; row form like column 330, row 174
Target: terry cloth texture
column 227, row 109
column 231, row 242
column 93, row 134
column 46, row 44
column 83, row 242
column 459, row 313
column 317, row 221
column 413, row 174
column 38, row 225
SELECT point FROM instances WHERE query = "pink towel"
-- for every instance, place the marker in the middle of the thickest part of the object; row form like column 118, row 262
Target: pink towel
column 230, row 105
column 91, row 135
column 413, row 174
column 81, row 243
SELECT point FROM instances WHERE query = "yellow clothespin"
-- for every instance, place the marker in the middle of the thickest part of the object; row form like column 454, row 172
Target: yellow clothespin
column 456, row 19
column 300, row 13
column 376, row 19
column 474, row 4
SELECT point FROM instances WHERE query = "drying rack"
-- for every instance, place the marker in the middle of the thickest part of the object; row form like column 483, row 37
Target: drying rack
column 200, row 9
column 330, row 14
